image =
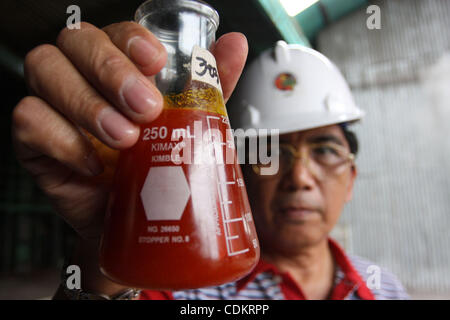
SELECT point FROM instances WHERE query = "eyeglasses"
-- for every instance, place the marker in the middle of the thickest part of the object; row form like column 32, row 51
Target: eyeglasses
column 321, row 159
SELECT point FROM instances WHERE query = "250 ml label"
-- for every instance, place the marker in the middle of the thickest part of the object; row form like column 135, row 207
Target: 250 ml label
column 204, row 67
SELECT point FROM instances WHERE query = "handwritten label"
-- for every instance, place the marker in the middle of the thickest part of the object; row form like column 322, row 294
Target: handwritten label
column 204, row 67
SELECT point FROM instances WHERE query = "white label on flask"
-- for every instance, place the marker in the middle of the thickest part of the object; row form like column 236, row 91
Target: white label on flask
column 204, row 67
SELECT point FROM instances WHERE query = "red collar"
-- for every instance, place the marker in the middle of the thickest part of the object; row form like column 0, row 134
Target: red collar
column 352, row 280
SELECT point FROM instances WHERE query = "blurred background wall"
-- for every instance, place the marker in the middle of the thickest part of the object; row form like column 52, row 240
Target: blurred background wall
column 400, row 75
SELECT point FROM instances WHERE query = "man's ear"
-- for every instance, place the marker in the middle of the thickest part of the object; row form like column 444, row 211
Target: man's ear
column 353, row 175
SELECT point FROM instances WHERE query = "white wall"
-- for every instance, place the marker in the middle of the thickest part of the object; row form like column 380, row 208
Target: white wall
column 400, row 75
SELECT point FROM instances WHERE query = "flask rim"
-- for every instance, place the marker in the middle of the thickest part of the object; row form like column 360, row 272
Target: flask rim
column 198, row 6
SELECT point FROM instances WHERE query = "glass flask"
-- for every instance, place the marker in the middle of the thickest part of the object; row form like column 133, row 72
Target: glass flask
column 178, row 216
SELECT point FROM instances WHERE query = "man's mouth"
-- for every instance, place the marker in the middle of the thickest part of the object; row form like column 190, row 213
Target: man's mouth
column 297, row 214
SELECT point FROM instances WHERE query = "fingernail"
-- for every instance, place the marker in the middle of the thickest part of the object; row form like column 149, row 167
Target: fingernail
column 139, row 97
column 94, row 164
column 143, row 52
column 115, row 125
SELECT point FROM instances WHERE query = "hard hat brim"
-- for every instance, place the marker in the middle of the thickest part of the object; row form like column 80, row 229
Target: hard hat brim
column 305, row 123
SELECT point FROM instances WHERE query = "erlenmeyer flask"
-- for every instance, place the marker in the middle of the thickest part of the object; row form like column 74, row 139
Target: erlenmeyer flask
column 179, row 216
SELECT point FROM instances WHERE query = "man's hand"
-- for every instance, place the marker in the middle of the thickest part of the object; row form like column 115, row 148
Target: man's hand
column 90, row 93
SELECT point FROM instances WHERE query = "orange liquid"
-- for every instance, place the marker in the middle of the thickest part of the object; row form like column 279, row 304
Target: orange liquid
column 195, row 230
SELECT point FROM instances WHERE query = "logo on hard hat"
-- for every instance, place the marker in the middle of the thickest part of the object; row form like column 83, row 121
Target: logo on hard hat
column 285, row 81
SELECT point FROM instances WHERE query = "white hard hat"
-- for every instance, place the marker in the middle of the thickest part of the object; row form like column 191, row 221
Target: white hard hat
column 291, row 88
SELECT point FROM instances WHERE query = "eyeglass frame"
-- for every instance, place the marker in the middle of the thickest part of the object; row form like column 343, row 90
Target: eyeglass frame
column 350, row 157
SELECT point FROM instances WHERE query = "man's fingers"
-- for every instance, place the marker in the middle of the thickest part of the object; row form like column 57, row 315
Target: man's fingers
column 111, row 72
column 146, row 51
column 104, row 64
column 52, row 77
column 139, row 44
column 39, row 130
column 231, row 53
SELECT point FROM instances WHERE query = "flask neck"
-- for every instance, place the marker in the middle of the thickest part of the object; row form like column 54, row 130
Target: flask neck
column 179, row 25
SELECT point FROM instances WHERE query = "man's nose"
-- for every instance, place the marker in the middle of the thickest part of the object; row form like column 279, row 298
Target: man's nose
column 300, row 177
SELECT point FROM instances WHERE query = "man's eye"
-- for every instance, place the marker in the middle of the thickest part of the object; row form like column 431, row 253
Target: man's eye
column 324, row 150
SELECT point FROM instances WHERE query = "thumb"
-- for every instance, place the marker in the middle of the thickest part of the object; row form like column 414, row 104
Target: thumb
column 231, row 52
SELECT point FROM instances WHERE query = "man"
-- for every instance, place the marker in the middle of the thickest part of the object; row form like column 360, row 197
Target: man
column 301, row 93
column 83, row 82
